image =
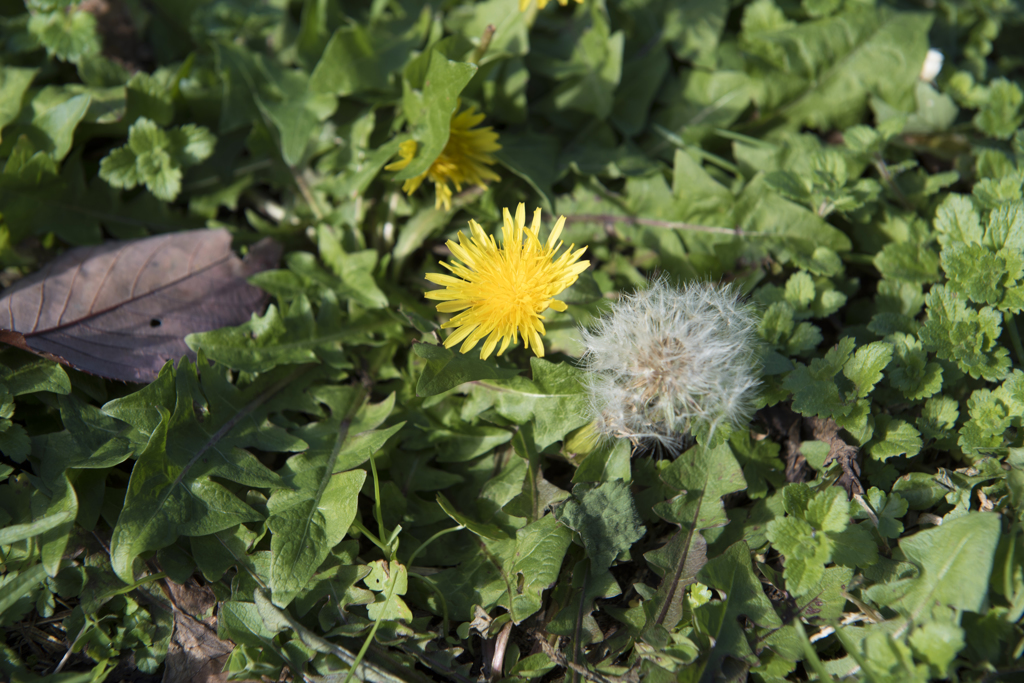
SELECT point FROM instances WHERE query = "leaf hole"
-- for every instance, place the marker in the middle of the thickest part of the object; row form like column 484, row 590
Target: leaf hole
column 155, row 322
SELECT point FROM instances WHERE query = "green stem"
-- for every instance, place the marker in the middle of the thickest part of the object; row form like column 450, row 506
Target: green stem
column 370, row 535
column 378, row 513
column 485, row 42
column 811, row 654
column 373, row 630
column 430, row 540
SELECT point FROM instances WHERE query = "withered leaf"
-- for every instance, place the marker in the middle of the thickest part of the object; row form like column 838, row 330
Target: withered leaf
column 123, row 309
column 195, row 653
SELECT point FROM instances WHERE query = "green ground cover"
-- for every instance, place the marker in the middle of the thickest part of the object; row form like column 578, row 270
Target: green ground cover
column 351, row 500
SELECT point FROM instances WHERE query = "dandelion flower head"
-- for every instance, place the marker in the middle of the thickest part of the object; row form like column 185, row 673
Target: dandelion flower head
column 465, row 159
column 666, row 361
column 541, row 4
column 501, row 292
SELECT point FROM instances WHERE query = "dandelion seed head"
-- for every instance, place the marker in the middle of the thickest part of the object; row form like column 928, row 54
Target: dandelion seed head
column 668, row 360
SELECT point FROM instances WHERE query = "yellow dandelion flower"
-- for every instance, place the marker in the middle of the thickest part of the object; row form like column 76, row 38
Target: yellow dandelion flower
column 466, row 158
column 541, row 4
column 503, row 291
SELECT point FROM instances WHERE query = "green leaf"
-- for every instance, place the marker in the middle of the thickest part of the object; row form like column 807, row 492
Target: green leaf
column 488, row 531
column 964, row 335
column 865, row 368
column 533, row 157
column 695, row 30
column 833, row 64
column 592, row 72
column 67, row 34
column 1000, row 116
column 800, row 290
column 814, row 388
column 742, row 598
column 828, row 510
column 806, row 552
column 938, row 417
column 704, row 476
column 893, row 437
column 534, row 565
column 361, row 59
column 957, row 220
column 991, row 414
column 955, row 560
column 678, row 562
column 935, row 111
column 910, row 371
column 190, row 144
column 261, row 88
column 154, row 157
column 888, row 509
column 903, row 261
column 355, row 269
column 150, row 95
column 605, row 517
column 975, row 272
column 19, row 532
column 14, row 83
column 778, row 328
column 17, row 585
column 308, row 522
column 290, row 336
column 762, row 210
column 54, row 542
column 216, row 553
column 447, row 369
column 380, row 578
column 171, row 492
column 641, row 78
column 119, row 168
column 310, row 517
column 28, row 376
column 760, row 461
column 467, row 442
column 429, row 106
column 818, row 531
column 1005, row 228
column 554, row 399
column 938, row 644
column 58, row 123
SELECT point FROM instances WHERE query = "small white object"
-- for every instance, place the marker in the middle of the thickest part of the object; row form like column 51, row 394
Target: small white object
column 932, row 65
column 667, row 359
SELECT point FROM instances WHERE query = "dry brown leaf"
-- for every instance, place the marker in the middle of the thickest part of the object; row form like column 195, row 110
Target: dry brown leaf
column 196, row 654
column 121, row 310
column 787, row 427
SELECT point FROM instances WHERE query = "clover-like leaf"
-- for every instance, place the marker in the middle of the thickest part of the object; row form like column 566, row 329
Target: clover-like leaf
column 154, row 157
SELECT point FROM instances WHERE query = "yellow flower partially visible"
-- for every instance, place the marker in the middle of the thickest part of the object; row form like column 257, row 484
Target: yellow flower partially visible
column 466, row 158
column 541, row 4
column 502, row 291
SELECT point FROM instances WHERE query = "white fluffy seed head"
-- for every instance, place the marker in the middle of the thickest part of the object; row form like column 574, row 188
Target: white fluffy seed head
column 666, row 361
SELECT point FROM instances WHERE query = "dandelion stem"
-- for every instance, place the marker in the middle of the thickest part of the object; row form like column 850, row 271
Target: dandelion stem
column 607, row 218
column 307, row 194
column 485, row 42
